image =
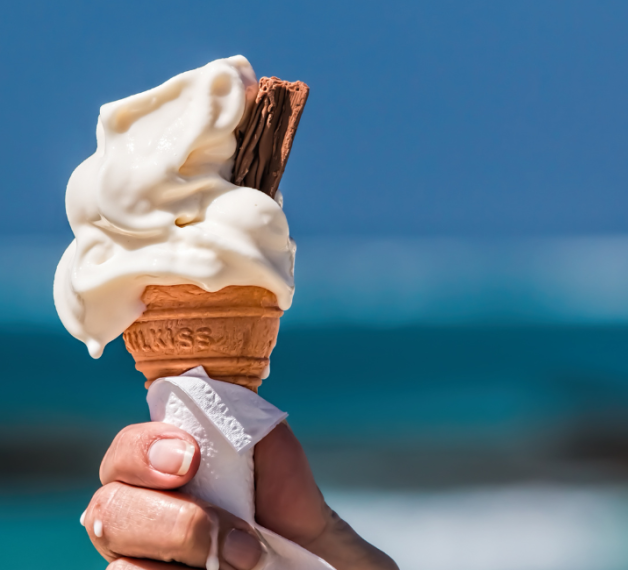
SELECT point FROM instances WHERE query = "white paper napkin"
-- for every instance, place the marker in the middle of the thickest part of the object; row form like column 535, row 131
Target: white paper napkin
column 227, row 421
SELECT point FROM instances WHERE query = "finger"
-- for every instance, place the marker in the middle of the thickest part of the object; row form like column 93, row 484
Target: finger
column 131, row 564
column 287, row 499
column 154, row 455
column 125, row 521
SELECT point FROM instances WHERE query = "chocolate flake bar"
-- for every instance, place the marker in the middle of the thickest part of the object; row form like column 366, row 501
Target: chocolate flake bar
column 264, row 144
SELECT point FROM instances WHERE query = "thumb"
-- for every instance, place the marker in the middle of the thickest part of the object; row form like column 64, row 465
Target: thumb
column 153, row 455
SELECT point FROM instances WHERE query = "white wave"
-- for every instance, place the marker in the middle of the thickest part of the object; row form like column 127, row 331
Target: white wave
column 508, row 528
column 399, row 281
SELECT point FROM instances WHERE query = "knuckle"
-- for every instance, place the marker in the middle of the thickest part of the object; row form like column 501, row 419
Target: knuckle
column 104, row 501
column 122, row 436
column 135, row 441
column 126, row 430
column 132, row 437
column 142, row 440
column 101, row 512
column 191, row 529
column 125, row 445
column 106, row 492
column 111, row 457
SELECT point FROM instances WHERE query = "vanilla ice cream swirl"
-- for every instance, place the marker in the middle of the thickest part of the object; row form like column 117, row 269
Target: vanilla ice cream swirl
column 154, row 206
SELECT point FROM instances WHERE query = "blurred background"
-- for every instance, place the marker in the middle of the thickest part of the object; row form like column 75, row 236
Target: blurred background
column 455, row 360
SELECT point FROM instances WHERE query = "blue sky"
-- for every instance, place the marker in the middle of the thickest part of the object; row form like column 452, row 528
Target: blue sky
column 425, row 118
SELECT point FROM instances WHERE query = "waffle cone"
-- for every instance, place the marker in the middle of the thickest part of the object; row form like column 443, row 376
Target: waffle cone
column 231, row 332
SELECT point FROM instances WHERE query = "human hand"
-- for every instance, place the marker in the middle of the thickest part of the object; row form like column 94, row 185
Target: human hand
column 136, row 520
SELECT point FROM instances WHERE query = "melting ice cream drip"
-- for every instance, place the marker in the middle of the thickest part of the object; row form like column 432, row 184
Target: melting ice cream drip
column 153, row 205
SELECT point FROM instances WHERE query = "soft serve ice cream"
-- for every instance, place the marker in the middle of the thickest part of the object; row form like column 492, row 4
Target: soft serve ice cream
column 154, row 206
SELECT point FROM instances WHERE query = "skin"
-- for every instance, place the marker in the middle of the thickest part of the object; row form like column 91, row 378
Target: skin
column 148, row 525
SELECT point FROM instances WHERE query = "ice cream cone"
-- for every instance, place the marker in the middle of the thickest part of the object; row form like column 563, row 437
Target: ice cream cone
column 231, row 332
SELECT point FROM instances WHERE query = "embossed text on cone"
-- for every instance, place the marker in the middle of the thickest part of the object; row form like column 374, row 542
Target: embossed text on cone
column 231, row 332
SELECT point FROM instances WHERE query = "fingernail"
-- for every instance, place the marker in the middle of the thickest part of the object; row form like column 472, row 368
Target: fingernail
column 172, row 456
column 241, row 550
column 98, row 528
column 82, row 519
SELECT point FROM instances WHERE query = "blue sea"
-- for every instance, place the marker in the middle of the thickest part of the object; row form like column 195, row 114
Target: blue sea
column 463, row 403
